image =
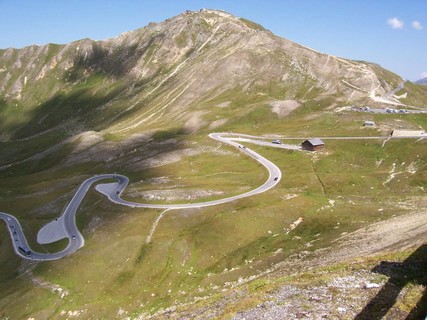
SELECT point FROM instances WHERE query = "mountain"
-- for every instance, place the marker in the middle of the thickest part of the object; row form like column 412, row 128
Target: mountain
column 168, row 71
column 142, row 105
column 422, row 81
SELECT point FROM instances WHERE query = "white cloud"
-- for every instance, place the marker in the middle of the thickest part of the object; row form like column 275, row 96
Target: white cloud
column 417, row 25
column 424, row 75
column 395, row 23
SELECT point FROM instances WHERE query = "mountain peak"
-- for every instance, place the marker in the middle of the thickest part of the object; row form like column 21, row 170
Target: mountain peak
column 422, row 81
column 204, row 21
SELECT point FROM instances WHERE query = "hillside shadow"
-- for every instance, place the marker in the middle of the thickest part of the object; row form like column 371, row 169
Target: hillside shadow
column 412, row 270
column 64, row 109
column 100, row 59
column 98, row 77
column 95, row 94
column 112, row 61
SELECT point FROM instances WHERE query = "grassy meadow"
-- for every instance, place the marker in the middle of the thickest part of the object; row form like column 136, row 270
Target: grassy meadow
column 195, row 252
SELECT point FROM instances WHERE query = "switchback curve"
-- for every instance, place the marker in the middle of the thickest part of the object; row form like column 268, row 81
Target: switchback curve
column 113, row 192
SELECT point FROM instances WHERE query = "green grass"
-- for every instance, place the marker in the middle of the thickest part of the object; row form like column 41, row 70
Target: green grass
column 149, row 52
column 190, row 249
column 53, row 50
column 168, row 134
column 212, row 239
column 252, row 25
column 190, row 244
column 205, row 25
column 262, row 289
column 416, row 95
column 181, row 39
column 56, row 246
column 142, row 253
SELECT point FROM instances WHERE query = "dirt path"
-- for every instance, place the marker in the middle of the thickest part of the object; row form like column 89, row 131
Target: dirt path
column 154, row 226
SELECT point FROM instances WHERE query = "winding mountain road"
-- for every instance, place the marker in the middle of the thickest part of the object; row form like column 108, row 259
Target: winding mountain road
column 65, row 226
column 67, row 221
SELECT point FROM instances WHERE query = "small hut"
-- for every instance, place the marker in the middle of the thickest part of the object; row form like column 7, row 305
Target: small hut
column 314, row 144
column 369, row 124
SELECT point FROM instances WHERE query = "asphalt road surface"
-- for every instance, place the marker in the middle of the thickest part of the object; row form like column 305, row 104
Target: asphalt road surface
column 114, row 190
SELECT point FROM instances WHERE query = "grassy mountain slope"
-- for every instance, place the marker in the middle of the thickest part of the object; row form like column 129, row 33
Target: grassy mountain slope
column 142, row 104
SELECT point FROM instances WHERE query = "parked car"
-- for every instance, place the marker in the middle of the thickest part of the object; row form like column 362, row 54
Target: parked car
column 276, row 141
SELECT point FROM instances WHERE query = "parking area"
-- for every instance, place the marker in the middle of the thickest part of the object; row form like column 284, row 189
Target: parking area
column 387, row 110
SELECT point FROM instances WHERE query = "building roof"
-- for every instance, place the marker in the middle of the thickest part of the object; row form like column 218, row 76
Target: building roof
column 369, row 123
column 315, row 142
column 408, row 133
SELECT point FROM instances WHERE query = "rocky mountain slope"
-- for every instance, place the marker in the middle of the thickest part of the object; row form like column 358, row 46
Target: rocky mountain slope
column 170, row 71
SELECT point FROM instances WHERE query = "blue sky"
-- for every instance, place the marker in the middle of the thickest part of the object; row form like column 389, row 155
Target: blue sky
column 392, row 33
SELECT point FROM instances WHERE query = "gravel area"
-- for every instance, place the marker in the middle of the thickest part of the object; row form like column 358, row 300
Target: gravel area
column 51, row 232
